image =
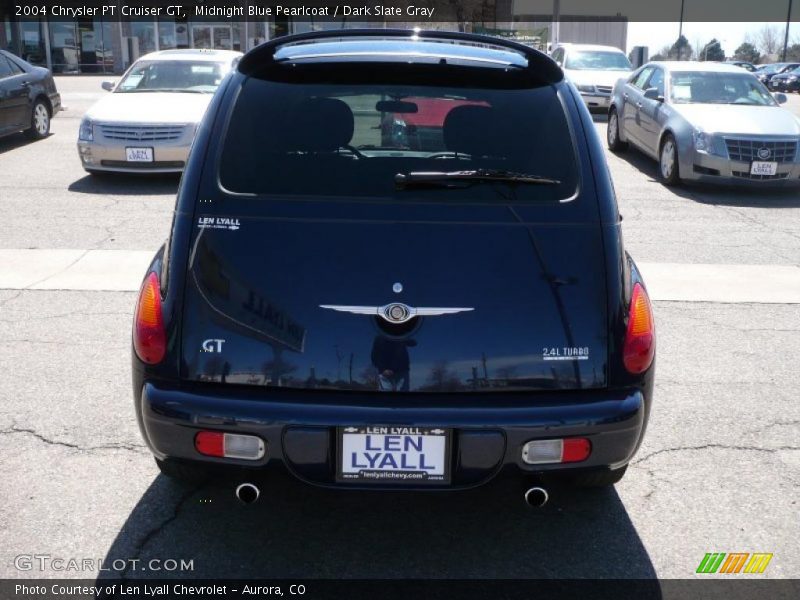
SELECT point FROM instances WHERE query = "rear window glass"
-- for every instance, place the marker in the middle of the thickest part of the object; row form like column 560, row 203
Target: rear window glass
column 332, row 140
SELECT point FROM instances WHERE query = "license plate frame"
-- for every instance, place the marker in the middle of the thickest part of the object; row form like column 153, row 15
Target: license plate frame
column 764, row 167
column 364, row 478
column 139, row 154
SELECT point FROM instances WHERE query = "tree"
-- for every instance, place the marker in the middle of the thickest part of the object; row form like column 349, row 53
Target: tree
column 681, row 49
column 748, row 52
column 712, row 51
column 769, row 40
column 793, row 53
column 662, row 54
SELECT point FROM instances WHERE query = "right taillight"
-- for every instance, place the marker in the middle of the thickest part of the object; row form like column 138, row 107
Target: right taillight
column 149, row 337
column 640, row 338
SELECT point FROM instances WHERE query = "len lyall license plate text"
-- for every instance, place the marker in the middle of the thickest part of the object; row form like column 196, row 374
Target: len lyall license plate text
column 139, row 154
column 387, row 454
column 760, row 167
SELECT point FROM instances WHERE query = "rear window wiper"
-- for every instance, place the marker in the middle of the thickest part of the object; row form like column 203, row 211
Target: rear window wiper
column 466, row 178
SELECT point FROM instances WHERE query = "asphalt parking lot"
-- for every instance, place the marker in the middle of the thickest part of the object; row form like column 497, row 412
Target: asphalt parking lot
column 719, row 470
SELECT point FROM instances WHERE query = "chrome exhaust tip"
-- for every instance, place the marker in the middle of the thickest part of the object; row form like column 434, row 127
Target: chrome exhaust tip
column 536, row 497
column 247, row 493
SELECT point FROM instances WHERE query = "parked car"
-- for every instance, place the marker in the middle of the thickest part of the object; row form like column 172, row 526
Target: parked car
column 370, row 315
column 742, row 64
column 788, row 81
column 706, row 122
column 769, row 71
column 28, row 97
column 593, row 69
column 148, row 122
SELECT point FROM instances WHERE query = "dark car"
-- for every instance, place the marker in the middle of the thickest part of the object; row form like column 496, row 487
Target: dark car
column 788, row 81
column 765, row 74
column 28, row 97
column 743, row 64
column 370, row 315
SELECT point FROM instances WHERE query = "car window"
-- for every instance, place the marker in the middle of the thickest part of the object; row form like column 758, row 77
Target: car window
column 5, row 68
column 708, row 87
column 642, row 77
column 657, row 81
column 599, row 60
column 173, row 76
column 321, row 139
column 558, row 55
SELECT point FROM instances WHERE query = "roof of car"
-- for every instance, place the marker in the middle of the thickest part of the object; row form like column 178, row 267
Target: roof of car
column 693, row 65
column 197, row 54
column 401, row 46
column 596, row 47
column 401, row 49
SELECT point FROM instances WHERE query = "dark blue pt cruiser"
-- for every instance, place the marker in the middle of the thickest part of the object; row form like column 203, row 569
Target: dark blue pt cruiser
column 395, row 262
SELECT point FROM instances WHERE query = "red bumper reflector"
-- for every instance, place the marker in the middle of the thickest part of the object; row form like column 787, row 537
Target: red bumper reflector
column 576, row 450
column 210, row 443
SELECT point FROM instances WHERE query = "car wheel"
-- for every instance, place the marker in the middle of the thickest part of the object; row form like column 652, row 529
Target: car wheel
column 182, row 472
column 40, row 121
column 668, row 161
column 595, row 479
column 612, row 133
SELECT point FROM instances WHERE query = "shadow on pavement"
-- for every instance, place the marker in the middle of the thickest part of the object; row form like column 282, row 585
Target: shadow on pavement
column 717, row 195
column 14, row 141
column 296, row 530
column 124, row 184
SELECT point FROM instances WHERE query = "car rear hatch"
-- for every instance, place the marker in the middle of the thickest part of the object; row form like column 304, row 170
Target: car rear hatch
column 300, row 241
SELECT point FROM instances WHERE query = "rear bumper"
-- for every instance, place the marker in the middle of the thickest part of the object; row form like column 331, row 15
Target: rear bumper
column 301, row 433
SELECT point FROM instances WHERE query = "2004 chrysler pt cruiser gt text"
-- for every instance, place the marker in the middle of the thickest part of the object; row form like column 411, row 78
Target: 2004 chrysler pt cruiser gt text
column 395, row 262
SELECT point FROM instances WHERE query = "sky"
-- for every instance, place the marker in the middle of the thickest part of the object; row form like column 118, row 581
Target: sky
column 731, row 35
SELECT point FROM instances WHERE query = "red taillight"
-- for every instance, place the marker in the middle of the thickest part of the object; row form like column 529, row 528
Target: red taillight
column 149, row 337
column 640, row 340
column 576, row 450
column 210, row 443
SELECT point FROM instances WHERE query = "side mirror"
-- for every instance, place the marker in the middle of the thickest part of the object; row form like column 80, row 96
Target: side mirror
column 108, row 85
column 779, row 97
column 652, row 94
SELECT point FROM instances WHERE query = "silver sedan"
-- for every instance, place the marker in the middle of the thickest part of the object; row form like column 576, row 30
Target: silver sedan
column 706, row 122
column 148, row 123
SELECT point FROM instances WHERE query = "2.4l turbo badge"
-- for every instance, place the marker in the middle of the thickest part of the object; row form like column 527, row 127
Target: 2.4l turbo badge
column 565, row 353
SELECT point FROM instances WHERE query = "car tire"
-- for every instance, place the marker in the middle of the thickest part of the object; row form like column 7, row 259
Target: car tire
column 40, row 121
column 615, row 144
column 595, row 479
column 668, row 169
column 182, row 472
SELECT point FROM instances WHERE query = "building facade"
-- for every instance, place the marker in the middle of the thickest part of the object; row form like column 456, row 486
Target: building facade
column 98, row 45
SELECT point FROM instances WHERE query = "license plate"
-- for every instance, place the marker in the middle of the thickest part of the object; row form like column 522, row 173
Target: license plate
column 139, row 154
column 387, row 454
column 760, row 167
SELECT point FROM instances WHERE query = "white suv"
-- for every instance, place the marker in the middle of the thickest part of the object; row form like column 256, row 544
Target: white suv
column 593, row 69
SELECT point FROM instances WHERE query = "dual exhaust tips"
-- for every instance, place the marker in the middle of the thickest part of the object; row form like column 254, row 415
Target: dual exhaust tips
column 248, row 493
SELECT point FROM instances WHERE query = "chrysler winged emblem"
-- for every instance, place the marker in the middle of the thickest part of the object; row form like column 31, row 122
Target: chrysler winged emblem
column 396, row 312
column 764, row 153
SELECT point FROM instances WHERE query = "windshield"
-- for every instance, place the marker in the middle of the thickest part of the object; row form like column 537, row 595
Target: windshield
column 704, row 87
column 353, row 140
column 597, row 60
column 173, row 76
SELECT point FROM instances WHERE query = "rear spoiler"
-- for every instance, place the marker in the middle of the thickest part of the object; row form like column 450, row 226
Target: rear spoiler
column 540, row 64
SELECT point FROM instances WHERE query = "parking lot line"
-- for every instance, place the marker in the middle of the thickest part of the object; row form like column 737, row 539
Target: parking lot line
column 122, row 271
column 729, row 284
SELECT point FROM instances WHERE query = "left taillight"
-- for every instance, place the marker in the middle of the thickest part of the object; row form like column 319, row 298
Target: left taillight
column 640, row 338
column 149, row 337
